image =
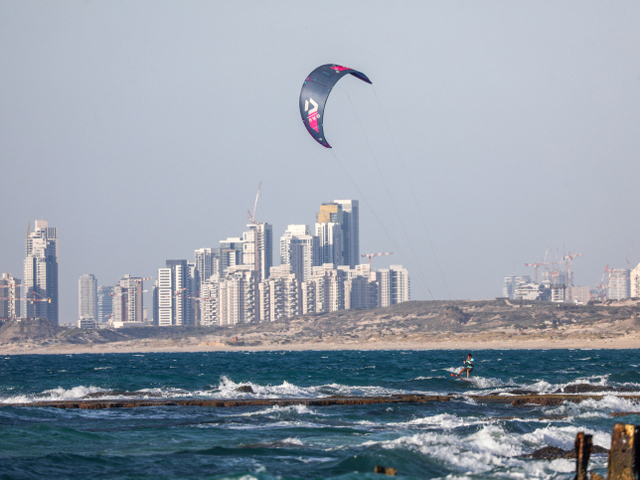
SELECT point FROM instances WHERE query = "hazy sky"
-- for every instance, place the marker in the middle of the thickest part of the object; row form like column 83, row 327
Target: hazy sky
column 493, row 131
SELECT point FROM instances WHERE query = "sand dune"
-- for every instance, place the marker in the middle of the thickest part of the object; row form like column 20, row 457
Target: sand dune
column 469, row 325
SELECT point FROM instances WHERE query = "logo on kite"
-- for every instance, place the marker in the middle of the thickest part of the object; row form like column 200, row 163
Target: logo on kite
column 312, row 118
column 314, row 94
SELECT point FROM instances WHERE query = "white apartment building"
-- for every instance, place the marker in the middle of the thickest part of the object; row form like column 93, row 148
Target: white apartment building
column 257, row 248
column 175, row 294
column 41, row 272
column 9, row 297
column 209, row 293
column 127, row 300
column 88, row 297
column 361, row 289
column 237, row 292
column 279, row 295
column 324, row 291
column 619, row 284
column 299, row 249
column 394, row 285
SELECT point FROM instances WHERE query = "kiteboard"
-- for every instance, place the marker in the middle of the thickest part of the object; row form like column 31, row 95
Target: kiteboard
column 460, row 378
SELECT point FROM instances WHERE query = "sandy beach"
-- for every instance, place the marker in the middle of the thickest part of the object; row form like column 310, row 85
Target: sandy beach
column 460, row 325
column 487, row 341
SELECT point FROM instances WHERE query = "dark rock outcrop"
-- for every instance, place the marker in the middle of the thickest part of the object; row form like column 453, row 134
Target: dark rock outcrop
column 245, row 389
column 553, row 453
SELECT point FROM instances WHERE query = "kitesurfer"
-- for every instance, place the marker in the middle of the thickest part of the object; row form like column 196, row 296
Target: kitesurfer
column 468, row 366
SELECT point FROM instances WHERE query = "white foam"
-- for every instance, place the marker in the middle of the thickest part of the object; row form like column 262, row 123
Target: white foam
column 227, row 388
column 563, row 437
column 55, row 394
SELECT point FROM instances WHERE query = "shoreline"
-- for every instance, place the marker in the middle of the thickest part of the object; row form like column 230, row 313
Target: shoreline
column 463, row 342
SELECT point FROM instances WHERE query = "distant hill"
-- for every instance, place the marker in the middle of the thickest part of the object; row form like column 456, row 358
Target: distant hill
column 414, row 321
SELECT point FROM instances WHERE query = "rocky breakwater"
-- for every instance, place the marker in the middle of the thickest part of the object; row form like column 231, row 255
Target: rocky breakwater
column 515, row 401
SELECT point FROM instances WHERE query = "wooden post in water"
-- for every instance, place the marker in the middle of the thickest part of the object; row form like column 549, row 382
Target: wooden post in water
column 624, row 453
column 583, row 451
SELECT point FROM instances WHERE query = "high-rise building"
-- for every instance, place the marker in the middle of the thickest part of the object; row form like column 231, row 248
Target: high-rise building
column 9, row 297
column 257, row 248
column 230, row 254
column 41, row 273
column 324, row 291
column 174, row 294
column 279, row 295
column 105, row 303
column 209, row 294
column 204, row 260
column 338, row 232
column 619, row 284
column 127, row 300
column 237, row 296
column 329, row 230
column 350, row 231
column 394, row 285
column 299, row 249
column 88, row 297
column 361, row 290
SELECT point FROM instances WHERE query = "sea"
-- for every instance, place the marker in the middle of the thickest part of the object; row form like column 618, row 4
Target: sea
column 461, row 439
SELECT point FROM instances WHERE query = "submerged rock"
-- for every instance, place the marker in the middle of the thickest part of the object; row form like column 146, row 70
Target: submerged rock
column 553, row 453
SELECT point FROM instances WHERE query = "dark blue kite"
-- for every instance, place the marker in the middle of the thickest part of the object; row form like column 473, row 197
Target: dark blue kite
column 314, row 94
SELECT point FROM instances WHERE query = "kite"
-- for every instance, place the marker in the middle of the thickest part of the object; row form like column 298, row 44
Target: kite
column 314, row 94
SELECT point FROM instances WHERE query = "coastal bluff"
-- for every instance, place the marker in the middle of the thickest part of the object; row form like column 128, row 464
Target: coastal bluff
column 461, row 324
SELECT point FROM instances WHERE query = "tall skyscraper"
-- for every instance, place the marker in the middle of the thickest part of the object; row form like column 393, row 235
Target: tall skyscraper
column 88, row 297
column 350, row 231
column 257, row 249
column 299, row 249
column 329, row 232
column 338, row 232
column 174, row 294
column 204, row 262
column 105, row 303
column 9, row 297
column 41, row 272
column 230, row 254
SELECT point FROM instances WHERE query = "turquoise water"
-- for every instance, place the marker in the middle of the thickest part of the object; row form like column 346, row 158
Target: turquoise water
column 461, row 439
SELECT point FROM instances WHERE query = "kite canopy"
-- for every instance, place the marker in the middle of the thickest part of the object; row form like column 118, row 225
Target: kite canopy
column 314, row 94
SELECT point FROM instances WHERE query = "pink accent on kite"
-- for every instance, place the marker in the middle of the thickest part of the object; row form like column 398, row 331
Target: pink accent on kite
column 313, row 120
column 339, row 68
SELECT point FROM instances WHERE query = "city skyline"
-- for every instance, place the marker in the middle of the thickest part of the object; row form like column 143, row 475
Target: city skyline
column 237, row 268
column 490, row 131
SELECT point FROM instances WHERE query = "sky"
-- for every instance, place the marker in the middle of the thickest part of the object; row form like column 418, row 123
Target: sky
column 494, row 133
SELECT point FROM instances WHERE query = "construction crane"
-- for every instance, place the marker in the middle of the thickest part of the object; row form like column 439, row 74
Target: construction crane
column 371, row 255
column 252, row 216
column 568, row 258
column 29, row 299
column 601, row 290
column 535, row 269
